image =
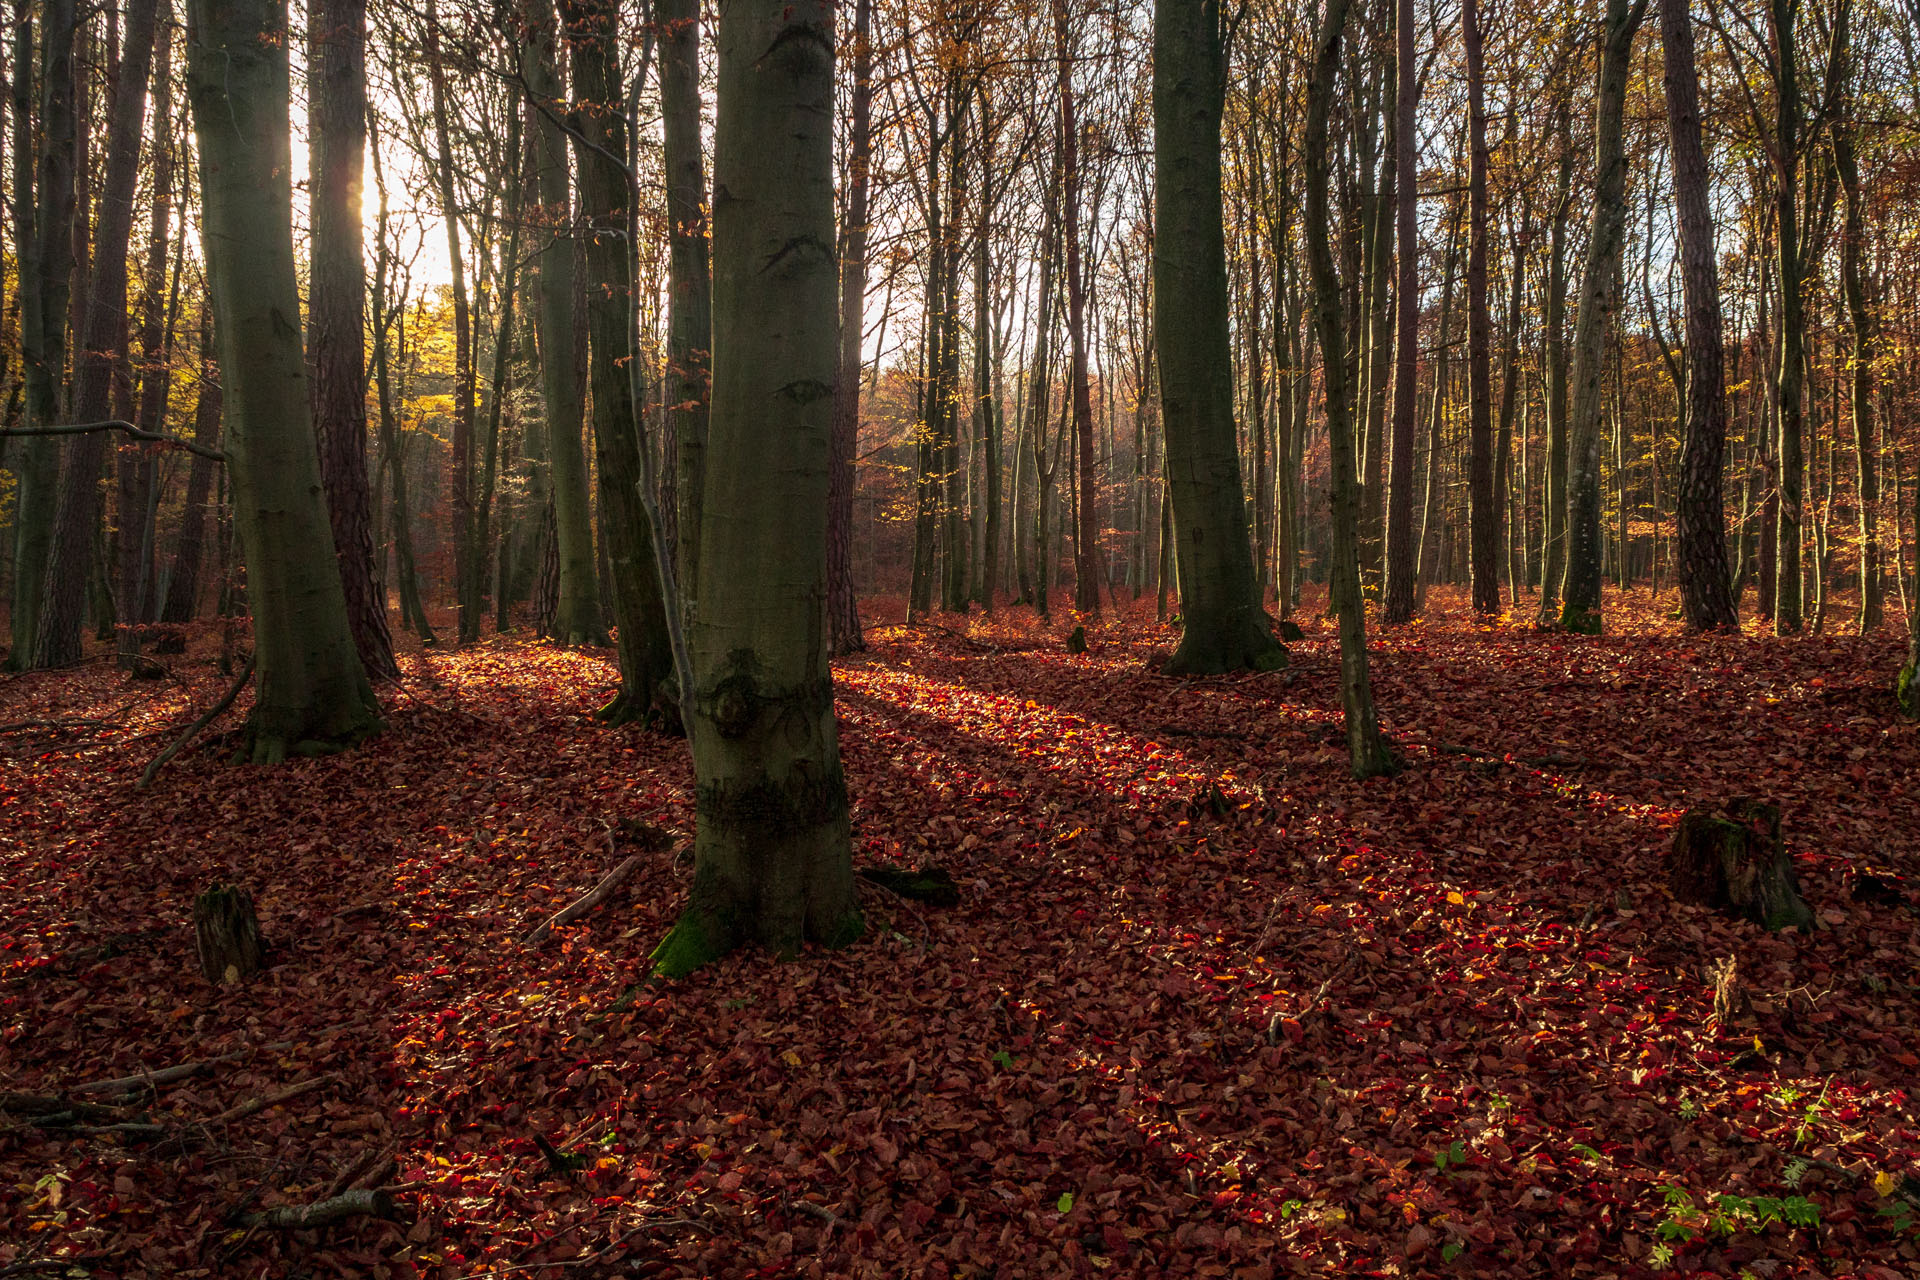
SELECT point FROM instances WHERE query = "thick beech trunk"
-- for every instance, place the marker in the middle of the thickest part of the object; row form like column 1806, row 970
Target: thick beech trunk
column 312, row 693
column 1706, row 591
column 1226, row 629
column 773, row 860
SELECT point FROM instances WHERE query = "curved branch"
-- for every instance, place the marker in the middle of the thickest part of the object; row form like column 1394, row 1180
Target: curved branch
column 115, row 424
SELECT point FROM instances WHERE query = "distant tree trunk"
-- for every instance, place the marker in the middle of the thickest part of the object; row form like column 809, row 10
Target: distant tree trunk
column 1402, row 564
column 1509, row 400
column 1705, row 584
column 1864, row 326
column 1225, row 627
column 646, row 655
column 311, row 692
column 1580, row 592
column 102, row 348
column 183, row 584
column 952, row 486
column 843, row 606
column 336, row 322
column 1482, row 519
column 1368, row 753
column 460, row 447
column 689, row 281
column 576, row 610
column 1087, row 558
column 1553, row 501
column 1791, row 369
column 772, row 856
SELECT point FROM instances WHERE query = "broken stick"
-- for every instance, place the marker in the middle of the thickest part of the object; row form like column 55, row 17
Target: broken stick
column 165, row 1075
column 594, row 897
column 348, row 1204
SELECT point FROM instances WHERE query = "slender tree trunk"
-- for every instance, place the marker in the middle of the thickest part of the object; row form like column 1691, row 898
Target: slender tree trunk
column 1863, row 325
column 689, row 279
column 183, row 584
column 1791, row 369
column 576, row 609
column 772, row 854
column 1225, row 627
column 1580, row 590
column 1368, row 753
column 1087, row 558
column 1402, row 565
column 337, row 111
column 1553, row 500
column 102, row 347
column 1482, row 516
column 311, row 691
column 646, row 655
column 843, row 606
column 1705, row 584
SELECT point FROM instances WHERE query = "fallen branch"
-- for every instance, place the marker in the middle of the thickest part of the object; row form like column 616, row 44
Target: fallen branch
column 593, row 898
column 78, row 1262
column 374, row 1167
column 126, row 428
column 253, row 1106
column 193, row 730
column 361, row 1203
column 165, row 1075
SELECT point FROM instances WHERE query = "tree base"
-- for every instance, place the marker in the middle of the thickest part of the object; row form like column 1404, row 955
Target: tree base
column 701, row 936
column 261, row 746
column 1581, row 622
column 227, row 934
column 658, row 712
column 1906, row 691
column 1733, row 861
column 1245, row 644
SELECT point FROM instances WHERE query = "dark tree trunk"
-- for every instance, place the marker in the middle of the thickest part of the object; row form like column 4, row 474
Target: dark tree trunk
column 1483, row 519
column 1402, row 566
column 1705, row 583
column 1087, row 559
column 1791, row 368
column 689, row 283
column 1225, row 627
column 102, row 347
column 183, row 585
column 337, row 111
column 843, row 606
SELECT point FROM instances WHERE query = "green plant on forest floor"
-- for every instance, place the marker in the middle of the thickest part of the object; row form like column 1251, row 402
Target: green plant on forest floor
column 1727, row 1215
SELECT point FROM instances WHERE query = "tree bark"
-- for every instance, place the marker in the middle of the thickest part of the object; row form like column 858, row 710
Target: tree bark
column 1402, row 566
column 1367, row 750
column 843, row 607
column 102, row 348
column 1483, row 518
column 576, row 612
column 183, row 584
column 337, row 116
column 1087, row 558
column 1580, row 589
column 312, row 693
column 1864, row 326
column 1226, row 629
column 773, row 859
column 1705, row 584
column 689, row 282
column 1791, row 368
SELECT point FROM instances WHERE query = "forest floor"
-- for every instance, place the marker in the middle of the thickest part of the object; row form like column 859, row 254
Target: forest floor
column 1207, row 1007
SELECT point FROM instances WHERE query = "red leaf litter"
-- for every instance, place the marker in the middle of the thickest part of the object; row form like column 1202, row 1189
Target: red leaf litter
column 1207, row 1007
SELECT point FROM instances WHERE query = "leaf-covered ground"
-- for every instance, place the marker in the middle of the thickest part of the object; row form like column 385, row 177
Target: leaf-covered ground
column 1207, row 1006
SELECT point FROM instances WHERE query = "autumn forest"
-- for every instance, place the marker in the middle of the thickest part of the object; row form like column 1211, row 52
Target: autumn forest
column 960, row 639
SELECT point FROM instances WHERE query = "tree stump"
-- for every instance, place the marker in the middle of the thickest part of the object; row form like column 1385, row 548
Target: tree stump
column 1077, row 641
column 1733, row 861
column 228, row 934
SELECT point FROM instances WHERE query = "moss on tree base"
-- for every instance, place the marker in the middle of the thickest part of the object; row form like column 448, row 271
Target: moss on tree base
column 1581, row 622
column 699, row 937
column 259, row 745
column 1906, row 691
column 1246, row 644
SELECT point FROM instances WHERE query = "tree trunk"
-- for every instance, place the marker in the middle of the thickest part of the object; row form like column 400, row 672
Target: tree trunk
column 1791, row 368
column 1553, row 500
column 183, row 584
column 1483, row 518
column 1863, row 325
column 1402, row 566
column 772, row 854
column 311, row 691
column 576, row 611
column 689, row 280
column 1580, row 590
column 646, row 655
column 1087, row 558
column 337, row 112
column 1368, row 753
column 1705, row 583
column 1226, row 629
column 102, row 346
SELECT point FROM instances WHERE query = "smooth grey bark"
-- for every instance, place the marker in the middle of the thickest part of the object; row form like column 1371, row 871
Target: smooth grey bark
column 577, row 618
column 311, row 691
column 843, row 609
column 1367, row 750
column 689, row 281
column 1862, row 323
column 1483, row 520
column 1553, row 502
column 773, row 861
column 1226, row 629
column 1580, row 589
